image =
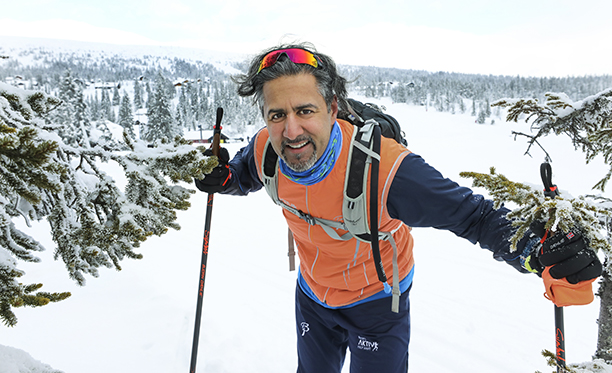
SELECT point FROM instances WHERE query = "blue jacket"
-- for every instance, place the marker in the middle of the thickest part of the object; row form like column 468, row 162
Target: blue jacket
column 433, row 200
column 420, row 197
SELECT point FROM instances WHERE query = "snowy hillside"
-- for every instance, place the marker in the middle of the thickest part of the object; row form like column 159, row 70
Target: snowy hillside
column 469, row 312
column 29, row 51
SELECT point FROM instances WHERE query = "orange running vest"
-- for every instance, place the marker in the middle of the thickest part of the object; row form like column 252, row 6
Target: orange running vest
column 342, row 272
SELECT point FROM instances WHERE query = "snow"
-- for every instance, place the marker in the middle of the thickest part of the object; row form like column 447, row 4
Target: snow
column 7, row 261
column 15, row 360
column 469, row 313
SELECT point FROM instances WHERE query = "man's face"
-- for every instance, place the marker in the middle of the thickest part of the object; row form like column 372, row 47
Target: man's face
column 298, row 121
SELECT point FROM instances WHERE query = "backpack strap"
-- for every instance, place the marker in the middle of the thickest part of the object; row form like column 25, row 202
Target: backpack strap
column 269, row 165
column 361, row 155
column 365, row 154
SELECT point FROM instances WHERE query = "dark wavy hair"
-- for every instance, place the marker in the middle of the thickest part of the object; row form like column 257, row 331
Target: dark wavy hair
column 329, row 82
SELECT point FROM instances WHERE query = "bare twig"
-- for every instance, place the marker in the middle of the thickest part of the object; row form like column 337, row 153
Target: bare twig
column 534, row 140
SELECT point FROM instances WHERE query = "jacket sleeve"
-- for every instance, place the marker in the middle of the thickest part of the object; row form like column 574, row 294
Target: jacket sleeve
column 421, row 197
column 243, row 168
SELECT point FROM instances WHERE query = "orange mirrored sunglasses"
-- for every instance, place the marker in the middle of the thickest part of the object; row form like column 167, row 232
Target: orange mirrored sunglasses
column 296, row 55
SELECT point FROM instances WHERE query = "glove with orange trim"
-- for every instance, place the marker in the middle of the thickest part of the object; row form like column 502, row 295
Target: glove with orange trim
column 566, row 264
column 218, row 179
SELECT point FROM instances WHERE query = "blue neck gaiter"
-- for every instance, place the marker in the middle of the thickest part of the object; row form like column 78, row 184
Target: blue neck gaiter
column 322, row 167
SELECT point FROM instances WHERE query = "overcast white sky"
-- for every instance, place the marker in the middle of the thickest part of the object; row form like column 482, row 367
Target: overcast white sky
column 510, row 37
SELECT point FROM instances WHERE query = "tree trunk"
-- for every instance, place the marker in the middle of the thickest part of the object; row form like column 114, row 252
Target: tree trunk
column 604, row 339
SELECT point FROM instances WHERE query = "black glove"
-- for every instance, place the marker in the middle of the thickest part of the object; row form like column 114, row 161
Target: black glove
column 567, row 254
column 218, row 179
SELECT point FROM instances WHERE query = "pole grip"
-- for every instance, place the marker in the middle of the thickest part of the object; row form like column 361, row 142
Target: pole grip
column 217, row 132
column 550, row 189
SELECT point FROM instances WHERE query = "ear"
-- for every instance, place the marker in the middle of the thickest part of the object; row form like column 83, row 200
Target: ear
column 334, row 109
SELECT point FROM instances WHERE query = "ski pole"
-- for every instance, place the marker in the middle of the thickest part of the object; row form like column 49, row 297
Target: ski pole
column 205, row 241
column 551, row 191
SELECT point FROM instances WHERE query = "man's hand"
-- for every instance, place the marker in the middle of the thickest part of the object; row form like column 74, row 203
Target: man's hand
column 219, row 177
column 567, row 254
column 566, row 264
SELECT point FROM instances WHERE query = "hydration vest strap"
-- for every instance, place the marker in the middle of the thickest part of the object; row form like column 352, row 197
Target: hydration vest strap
column 291, row 251
column 396, row 292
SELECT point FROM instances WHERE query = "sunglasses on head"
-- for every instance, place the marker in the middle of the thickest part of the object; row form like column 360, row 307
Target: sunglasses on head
column 296, row 55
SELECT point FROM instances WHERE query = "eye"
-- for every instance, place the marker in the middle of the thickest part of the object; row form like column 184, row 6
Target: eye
column 276, row 117
column 306, row 111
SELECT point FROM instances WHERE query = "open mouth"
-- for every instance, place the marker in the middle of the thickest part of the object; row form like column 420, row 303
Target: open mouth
column 299, row 154
column 298, row 145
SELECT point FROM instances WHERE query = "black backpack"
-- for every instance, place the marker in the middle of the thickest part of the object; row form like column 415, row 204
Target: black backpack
column 389, row 126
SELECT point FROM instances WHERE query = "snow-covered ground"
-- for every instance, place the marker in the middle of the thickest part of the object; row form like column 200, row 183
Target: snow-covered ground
column 469, row 312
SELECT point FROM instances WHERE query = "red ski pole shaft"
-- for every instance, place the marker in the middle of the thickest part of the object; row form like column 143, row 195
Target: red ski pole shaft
column 205, row 242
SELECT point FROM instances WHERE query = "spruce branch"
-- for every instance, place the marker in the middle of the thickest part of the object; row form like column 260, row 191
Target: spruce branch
column 560, row 214
column 55, row 173
column 587, row 123
column 551, row 361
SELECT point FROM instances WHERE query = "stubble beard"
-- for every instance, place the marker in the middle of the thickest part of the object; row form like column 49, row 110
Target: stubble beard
column 299, row 164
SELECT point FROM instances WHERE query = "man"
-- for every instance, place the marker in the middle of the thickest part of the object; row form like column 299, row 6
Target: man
column 340, row 303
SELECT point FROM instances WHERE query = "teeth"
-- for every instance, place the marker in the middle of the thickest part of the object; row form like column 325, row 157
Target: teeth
column 297, row 146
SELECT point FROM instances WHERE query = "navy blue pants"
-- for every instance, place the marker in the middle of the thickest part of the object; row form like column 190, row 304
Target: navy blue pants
column 377, row 338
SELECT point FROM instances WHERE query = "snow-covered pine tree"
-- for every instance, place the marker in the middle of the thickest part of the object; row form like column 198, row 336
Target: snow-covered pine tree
column 105, row 105
column 149, row 94
column 126, row 119
column 71, row 117
column 588, row 123
column 93, row 223
column 184, row 115
column 482, row 117
column 204, row 108
column 138, row 101
column 160, row 123
column 398, row 93
column 111, row 116
column 94, row 107
column 194, row 100
column 116, row 96
column 462, row 107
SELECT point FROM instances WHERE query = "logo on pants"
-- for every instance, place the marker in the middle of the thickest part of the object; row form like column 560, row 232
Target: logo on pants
column 364, row 344
column 305, row 328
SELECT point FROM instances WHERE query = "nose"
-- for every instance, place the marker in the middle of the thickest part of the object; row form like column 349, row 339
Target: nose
column 293, row 128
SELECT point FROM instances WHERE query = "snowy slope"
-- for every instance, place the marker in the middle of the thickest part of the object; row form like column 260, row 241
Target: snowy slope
column 469, row 312
column 24, row 48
